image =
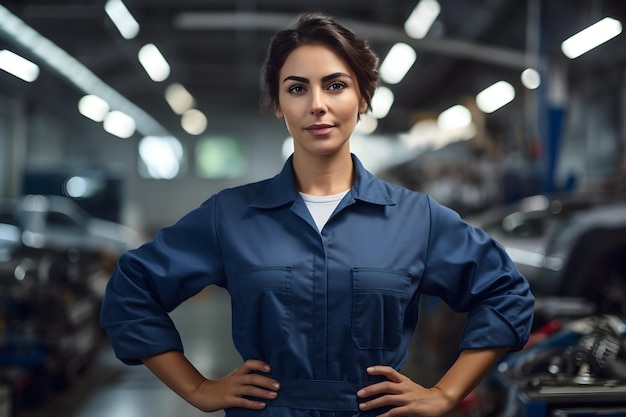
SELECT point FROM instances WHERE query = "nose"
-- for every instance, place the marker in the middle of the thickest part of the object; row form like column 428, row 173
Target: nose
column 318, row 104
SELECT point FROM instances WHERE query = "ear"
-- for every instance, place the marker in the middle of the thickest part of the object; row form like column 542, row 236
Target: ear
column 362, row 106
column 278, row 112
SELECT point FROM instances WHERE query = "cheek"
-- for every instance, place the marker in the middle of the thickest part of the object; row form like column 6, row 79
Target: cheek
column 350, row 108
column 350, row 113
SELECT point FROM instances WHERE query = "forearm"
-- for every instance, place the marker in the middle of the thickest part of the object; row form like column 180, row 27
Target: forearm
column 468, row 370
column 233, row 390
column 176, row 372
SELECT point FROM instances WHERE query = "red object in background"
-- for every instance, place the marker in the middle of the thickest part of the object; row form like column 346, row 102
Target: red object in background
column 544, row 332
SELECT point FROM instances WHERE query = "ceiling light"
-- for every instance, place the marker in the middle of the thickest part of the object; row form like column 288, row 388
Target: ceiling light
column 381, row 102
column 239, row 20
column 122, row 18
column 74, row 72
column 179, row 99
column 119, row 124
column 93, row 107
column 422, row 18
column 366, row 125
column 81, row 187
column 495, row 96
column 531, row 78
column 454, row 118
column 154, row 63
column 18, row 66
column 194, row 122
column 397, row 63
column 591, row 37
column 161, row 156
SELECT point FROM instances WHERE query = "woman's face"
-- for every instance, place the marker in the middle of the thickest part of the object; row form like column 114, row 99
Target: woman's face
column 319, row 98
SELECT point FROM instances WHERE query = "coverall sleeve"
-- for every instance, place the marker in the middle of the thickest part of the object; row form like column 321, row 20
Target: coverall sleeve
column 472, row 273
column 149, row 282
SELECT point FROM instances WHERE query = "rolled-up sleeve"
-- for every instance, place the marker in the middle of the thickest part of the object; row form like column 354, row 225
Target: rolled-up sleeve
column 473, row 274
column 150, row 281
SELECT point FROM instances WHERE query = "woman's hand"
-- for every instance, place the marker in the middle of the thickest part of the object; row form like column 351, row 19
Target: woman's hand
column 404, row 396
column 183, row 378
column 231, row 390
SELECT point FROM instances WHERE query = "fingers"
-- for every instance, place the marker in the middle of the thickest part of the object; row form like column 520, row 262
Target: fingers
column 386, row 371
column 260, row 381
column 394, row 392
column 251, row 384
column 255, row 365
column 248, row 377
column 251, row 397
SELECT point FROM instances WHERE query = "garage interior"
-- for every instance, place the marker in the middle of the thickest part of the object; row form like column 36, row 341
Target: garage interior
column 543, row 171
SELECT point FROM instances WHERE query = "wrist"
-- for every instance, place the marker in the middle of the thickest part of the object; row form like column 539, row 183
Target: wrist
column 450, row 398
column 198, row 398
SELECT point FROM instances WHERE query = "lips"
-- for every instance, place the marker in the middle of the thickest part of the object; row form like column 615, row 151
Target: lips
column 320, row 129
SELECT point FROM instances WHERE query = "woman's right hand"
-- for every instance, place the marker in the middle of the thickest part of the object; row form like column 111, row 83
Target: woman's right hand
column 232, row 390
column 183, row 378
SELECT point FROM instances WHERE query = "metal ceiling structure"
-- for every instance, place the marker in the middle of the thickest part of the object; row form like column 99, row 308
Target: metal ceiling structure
column 216, row 48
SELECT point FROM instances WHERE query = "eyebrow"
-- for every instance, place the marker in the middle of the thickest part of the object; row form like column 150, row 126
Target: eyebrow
column 324, row 78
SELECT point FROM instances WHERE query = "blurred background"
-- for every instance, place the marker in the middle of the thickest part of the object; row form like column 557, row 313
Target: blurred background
column 119, row 116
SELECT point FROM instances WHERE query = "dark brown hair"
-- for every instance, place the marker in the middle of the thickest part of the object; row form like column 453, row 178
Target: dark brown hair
column 318, row 28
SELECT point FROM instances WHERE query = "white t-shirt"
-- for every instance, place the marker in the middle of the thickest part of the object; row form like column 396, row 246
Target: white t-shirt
column 322, row 206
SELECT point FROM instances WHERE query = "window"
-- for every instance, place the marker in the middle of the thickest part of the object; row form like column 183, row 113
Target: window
column 220, row 157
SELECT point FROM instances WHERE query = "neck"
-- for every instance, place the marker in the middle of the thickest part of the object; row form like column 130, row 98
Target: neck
column 326, row 175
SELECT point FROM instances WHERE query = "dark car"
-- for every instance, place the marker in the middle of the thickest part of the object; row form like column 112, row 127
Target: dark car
column 569, row 246
column 56, row 221
column 54, row 262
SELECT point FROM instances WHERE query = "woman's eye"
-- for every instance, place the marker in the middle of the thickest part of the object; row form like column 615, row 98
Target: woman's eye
column 336, row 85
column 296, row 89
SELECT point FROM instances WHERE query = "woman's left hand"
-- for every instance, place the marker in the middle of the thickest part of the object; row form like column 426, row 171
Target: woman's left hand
column 405, row 397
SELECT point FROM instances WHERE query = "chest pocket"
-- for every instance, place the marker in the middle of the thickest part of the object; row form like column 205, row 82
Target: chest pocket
column 263, row 304
column 379, row 301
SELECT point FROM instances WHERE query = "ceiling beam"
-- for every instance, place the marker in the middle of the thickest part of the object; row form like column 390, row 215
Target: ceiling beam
column 246, row 21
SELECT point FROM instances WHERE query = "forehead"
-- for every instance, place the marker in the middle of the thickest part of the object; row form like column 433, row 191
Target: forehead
column 314, row 60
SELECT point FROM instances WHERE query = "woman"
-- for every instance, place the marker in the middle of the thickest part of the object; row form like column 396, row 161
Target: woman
column 325, row 265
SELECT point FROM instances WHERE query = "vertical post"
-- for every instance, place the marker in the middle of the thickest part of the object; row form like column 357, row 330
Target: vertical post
column 13, row 146
column 550, row 99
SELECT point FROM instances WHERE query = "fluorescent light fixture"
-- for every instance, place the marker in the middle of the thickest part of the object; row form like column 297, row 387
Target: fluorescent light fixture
column 397, row 63
column 154, row 63
column 454, row 118
column 239, row 20
column 381, row 102
column 591, row 37
column 122, row 18
column 81, row 187
column 93, row 107
column 179, row 99
column 531, row 79
column 161, row 156
column 495, row 96
column 119, row 124
column 422, row 18
column 74, row 72
column 194, row 122
column 18, row 66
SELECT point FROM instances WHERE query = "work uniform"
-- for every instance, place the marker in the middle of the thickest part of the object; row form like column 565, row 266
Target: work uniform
column 319, row 307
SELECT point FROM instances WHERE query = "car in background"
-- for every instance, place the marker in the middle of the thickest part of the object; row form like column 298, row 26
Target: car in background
column 55, row 261
column 59, row 223
column 567, row 246
column 56, row 221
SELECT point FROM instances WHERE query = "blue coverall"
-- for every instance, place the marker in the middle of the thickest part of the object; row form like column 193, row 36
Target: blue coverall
column 319, row 307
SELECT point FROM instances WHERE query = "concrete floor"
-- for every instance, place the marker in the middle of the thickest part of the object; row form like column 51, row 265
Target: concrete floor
column 109, row 388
